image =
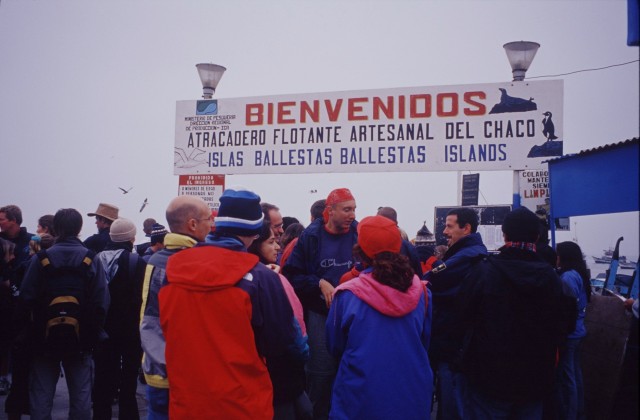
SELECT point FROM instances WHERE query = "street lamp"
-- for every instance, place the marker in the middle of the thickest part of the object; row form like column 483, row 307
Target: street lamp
column 210, row 75
column 520, row 55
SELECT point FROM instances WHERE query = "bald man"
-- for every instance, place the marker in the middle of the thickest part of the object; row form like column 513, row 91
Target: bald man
column 321, row 256
column 408, row 249
column 189, row 219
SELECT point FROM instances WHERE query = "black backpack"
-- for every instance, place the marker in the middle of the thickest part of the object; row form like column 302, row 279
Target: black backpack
column 61, row 317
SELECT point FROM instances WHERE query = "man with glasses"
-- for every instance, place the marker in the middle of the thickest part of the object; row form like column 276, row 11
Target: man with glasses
column 223, row 314
column 189, row 219
column 273, row 216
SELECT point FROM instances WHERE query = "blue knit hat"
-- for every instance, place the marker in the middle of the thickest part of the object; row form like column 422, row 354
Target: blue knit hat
column 158, row 233
column 239, row 213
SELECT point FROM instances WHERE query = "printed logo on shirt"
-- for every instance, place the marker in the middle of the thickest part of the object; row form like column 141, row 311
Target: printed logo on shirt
column 331, row 262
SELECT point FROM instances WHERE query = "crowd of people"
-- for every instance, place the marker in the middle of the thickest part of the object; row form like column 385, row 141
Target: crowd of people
column 243, row 313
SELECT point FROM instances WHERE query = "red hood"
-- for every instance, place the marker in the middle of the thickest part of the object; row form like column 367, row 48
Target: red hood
column 208, row 268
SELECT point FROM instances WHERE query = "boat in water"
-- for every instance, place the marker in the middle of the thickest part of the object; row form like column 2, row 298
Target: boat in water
column 607, row 256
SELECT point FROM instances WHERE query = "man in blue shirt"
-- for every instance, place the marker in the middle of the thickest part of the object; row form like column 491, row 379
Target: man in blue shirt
column 321, row 256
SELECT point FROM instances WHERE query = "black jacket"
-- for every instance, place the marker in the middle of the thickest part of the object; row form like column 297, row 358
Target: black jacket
column 18, row 266
column 98, row 241
column 446, row 338
column 125, row 289
column 37, row 285
column 516, row 315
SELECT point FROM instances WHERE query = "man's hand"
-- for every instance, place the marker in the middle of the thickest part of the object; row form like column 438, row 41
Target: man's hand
column 326, row 289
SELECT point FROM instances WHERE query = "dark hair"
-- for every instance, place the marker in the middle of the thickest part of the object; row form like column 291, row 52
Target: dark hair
column 157, row 239
column 571, row 258
column 104, row 220
column 291, row 232
column 46, row 222
column 67, row 223
column 7, row 248
column 46, row 240
column 264, row 235
column 13, row 213
column 288, row 221
column 389, row 268
column 147, row 225
column 521, row 225
column 317, row 209
column 388, row 212
column 465, row 216
column 266, row 208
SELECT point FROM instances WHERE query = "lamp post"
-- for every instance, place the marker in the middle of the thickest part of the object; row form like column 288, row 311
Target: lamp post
column 520, row 55
column 210, row 75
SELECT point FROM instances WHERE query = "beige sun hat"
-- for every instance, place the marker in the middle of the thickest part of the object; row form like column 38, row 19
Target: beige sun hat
column 108, row 211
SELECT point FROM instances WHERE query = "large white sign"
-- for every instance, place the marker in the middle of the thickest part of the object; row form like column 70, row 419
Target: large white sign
column 502, row 126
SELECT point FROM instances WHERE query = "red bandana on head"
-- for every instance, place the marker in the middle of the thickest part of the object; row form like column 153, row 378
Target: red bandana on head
column 336, row 196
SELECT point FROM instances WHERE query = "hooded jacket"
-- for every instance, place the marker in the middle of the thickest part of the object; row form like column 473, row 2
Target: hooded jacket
column 69, row 252
column 18, row 267
column 98, row 241
column 153, row 361
column 381, row 336
column 516, row 314
column 319, row 254
column 125, row 289
column 221, row 313
column 574, row 284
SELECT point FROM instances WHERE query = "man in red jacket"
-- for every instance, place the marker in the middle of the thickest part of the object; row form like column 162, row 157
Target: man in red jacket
column 223, row 314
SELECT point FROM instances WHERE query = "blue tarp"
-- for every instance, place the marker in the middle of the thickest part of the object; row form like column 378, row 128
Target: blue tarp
column 596, row 181
column 633, row 17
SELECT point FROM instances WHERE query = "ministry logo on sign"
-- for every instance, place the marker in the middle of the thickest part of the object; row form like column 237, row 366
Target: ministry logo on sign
column 209, row 107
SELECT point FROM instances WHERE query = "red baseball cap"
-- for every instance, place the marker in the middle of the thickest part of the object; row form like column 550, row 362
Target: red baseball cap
column 378, row 234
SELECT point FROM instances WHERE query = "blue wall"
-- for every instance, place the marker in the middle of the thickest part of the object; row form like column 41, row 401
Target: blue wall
column 596, row 182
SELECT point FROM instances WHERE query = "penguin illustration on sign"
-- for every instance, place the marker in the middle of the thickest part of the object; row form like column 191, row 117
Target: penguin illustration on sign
column 548, row 129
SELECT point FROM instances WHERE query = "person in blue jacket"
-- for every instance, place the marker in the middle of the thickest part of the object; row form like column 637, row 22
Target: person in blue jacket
column 465, row 247
column 323, row 254
column 569, row 391
column 379, row 327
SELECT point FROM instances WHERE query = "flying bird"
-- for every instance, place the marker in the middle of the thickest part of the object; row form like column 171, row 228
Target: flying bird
column 144, row 204
column 125, row 191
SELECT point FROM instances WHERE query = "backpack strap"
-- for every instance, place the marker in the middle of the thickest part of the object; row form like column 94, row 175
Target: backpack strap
column 88, row 258
column 50, row 269
column 46, row 263
column 43, row 257
column 133, row 263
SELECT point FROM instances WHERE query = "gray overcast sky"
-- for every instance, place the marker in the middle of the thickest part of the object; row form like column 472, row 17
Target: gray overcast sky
column 88, row 91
